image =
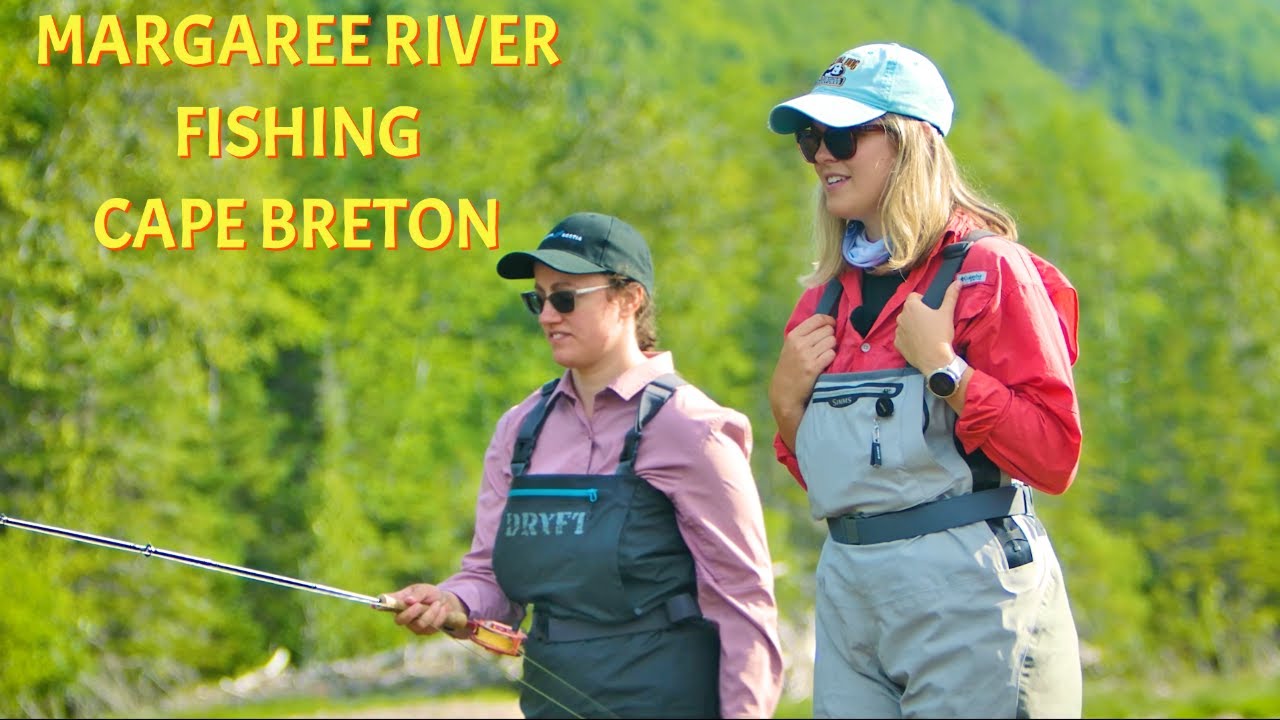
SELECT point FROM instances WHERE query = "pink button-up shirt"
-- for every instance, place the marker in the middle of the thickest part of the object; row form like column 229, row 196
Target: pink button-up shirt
column 698, row 454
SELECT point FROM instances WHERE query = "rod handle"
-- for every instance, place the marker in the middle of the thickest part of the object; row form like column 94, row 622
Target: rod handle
column 453, row 622
column 390, row 604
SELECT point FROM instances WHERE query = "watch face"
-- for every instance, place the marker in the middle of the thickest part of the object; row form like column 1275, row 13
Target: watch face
column 942, row 384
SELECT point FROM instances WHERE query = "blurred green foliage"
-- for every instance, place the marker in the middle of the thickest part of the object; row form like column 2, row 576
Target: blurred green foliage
column 1191, row 74
column 323, row 414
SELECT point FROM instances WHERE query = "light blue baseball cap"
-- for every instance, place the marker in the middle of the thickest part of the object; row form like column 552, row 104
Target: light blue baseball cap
column 865, row 83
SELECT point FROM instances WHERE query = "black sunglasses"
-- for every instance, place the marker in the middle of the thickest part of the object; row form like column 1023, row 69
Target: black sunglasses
column 563, row 301
column 842, row 143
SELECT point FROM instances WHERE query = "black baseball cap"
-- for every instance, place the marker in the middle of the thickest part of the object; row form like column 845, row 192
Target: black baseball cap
column 586, row 243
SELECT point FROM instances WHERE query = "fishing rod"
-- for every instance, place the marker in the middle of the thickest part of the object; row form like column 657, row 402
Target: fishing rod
column 381, row 602
column 488, row 634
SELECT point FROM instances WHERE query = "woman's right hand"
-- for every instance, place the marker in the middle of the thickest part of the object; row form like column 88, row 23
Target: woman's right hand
column 808, row 349
column 427, row 606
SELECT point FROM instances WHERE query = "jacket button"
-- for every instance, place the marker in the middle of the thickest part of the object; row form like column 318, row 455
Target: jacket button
column 866, row 347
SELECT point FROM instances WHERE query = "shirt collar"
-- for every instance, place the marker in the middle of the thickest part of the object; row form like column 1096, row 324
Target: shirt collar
column 960, row 225
column 630, row 382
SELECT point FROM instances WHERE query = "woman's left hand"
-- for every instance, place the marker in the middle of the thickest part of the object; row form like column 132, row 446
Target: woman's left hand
column 924, row 335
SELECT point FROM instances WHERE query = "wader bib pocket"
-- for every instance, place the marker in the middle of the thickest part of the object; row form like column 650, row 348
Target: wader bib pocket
column 863, row 444
column 553, row 520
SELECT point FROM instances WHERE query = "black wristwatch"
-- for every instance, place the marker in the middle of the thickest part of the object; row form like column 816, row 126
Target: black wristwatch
column 944, row 381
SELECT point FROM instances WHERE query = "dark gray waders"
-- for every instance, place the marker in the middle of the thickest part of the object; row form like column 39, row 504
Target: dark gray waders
column 612, row 584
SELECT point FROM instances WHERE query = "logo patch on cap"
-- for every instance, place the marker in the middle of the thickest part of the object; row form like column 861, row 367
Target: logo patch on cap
column 834, row 75
column 562, row 234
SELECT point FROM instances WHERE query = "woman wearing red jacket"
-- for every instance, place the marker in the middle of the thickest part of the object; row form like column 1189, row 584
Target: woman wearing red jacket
column 919, row 422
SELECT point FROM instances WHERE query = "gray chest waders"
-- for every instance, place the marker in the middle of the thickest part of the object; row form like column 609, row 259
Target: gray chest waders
column 906, row 436
column 938, row 591
column 612, row 584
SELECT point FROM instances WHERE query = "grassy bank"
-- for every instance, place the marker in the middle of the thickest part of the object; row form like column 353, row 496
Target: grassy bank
column 1192, row 696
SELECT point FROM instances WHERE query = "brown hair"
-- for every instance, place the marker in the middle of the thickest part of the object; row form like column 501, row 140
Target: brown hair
column 646, row 314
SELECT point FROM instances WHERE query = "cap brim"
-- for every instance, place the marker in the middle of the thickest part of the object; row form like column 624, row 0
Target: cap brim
column 519, row 265
column 830, row 110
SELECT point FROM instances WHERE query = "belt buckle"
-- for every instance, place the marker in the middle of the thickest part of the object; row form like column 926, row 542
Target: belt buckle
column 848, row 525
column 1026, row 500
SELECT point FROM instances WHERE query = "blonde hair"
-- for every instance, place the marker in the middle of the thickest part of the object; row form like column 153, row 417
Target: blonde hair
column 924, row 189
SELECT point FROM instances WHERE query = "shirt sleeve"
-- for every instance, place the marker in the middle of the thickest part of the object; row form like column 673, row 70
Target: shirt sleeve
column 788, row 459
column 475, row 585
column 1020, row 405
column 706, row 472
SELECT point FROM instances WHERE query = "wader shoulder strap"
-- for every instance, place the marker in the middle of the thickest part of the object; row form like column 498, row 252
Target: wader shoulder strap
column 652, row 398
column 830, row 301
column 952, row 258
column 530, row 428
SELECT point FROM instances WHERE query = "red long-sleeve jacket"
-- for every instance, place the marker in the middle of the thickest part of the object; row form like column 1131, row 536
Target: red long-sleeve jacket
column 1016, row 323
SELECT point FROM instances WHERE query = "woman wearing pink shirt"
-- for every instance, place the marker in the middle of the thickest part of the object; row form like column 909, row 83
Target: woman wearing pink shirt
column 919, row 411
column 618, row 502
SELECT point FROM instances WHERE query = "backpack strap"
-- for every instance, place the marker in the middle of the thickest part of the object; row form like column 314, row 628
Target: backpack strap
column 652, row 398
column 952, row 258
column 830, row 301
column 986, row 475
column 530, row 428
